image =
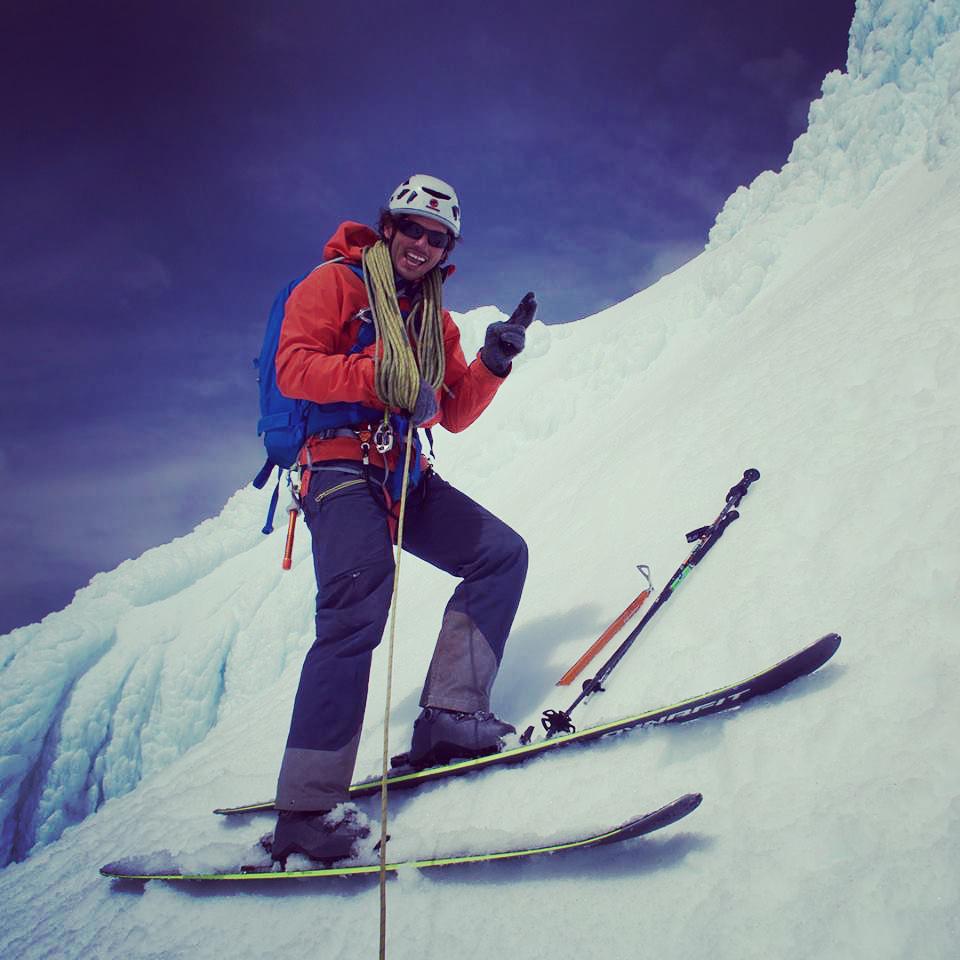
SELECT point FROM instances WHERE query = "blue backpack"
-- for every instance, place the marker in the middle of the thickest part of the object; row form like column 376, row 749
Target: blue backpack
column 285, row 423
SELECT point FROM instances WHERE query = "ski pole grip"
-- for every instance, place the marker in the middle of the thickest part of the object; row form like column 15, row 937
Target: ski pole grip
column 738, row 491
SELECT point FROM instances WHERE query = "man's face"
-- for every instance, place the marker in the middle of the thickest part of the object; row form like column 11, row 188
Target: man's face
column 414, row 259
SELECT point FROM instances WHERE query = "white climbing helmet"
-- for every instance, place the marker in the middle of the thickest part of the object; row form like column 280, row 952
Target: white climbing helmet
column 427, row 196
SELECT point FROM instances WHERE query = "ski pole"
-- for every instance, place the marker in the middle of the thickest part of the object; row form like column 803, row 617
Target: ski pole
column 558, row 721
column 611, row 631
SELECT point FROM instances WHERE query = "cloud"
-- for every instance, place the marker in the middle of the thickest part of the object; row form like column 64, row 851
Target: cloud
column 664, row 261
column 68, row 232
column 778, row 76
column 108, row 508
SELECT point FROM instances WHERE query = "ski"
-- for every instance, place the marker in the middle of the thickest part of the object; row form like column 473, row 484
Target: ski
column 134, row 869
column 726, row 698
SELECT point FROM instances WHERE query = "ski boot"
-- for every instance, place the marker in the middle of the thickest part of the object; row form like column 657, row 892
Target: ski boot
column 443, row 735
column 324, row 836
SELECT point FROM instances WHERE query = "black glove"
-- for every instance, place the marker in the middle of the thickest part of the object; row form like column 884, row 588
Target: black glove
column 506, row 338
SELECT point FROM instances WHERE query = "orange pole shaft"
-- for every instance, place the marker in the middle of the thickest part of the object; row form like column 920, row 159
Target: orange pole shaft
column 602, row 640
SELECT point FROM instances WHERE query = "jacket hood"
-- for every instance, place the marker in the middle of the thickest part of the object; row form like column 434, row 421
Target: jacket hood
column 351, row 239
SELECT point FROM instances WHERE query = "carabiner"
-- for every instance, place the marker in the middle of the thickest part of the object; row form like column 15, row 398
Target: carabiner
column 383, row 438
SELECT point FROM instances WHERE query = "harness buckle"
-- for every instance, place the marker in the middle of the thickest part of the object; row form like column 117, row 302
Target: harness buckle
column 364, row 437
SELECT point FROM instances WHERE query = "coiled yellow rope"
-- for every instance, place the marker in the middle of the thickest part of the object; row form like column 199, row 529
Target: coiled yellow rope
column 397, row 370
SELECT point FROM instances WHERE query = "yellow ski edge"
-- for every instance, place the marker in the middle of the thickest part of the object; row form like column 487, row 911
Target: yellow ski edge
column 595, row 731
column 627, row 830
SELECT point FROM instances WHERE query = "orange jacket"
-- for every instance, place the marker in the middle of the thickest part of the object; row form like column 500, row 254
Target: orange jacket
column 320, row 325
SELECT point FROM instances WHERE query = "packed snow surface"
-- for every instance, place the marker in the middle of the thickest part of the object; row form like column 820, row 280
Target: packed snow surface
column 816, row 339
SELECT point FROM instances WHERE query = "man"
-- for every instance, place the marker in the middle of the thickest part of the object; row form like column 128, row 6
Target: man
column 368, row 340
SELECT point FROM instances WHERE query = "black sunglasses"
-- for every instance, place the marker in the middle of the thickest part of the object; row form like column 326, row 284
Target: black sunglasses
column 439, row 239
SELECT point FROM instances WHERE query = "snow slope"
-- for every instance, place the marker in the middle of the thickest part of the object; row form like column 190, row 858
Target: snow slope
column 816, row 339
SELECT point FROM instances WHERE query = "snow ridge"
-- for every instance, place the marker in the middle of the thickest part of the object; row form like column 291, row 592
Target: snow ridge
column 88, row 691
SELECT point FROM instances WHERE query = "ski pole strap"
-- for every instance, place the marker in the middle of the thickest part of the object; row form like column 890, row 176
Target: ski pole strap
column 706, row 537
column 711, row 533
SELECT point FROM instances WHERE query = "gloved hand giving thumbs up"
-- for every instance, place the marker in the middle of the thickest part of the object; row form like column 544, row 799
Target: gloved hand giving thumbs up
column 506, row 338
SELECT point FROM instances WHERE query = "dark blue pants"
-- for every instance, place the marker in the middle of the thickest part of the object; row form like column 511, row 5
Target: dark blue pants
column 354, row 565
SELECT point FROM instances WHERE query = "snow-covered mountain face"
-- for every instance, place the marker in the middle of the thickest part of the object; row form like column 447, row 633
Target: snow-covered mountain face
column 896, row 102
column 816, row 338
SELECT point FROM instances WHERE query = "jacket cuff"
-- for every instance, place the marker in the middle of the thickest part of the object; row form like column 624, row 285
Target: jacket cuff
column 492, row 373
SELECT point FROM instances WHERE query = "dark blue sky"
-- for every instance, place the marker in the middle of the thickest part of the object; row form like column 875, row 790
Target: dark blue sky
column 168, row 166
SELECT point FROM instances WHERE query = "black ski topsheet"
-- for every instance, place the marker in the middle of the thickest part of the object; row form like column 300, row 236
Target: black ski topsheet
column 726, row 698
column 163, row 867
